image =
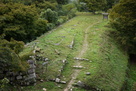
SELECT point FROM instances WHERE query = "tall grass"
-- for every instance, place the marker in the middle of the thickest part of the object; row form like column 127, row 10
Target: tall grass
column 109, row 62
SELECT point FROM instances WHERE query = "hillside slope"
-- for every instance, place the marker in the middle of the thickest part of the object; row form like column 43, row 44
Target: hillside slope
column 82, row 37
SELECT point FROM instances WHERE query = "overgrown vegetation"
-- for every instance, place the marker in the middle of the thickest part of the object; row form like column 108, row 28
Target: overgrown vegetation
column 96, row 5
column 23, row 21
column 124, row 21
column 60, row 39
column 108, row 63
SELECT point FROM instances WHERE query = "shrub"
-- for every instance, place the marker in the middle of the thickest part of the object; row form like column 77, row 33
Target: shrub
column 50, row 26
column 41, row 27
column 50, row 16
column 9, row 57
column 134, row 87
column 65, row 18
column 3, row 83
column 69, row 9
column 60, row 21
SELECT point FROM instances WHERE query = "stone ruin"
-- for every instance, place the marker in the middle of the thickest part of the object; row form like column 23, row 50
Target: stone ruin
column 105, row 15
column 21, row 78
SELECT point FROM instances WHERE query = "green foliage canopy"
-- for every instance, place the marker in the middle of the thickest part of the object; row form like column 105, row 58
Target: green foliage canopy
column 123, row 19
column 17, row 21
column 50, row 16
column 95, row 5
column 62, row 1
column 9, row 58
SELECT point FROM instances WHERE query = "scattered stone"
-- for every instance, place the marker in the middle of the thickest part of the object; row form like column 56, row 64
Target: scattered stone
column 22, row 88
column 80, row 84
column 88, row 73
column 59, row 42
column 30, row 61
column 19, row 77
column 78, row 67
column 41, row 80
column 63, row 82
column 46, row 59
column 71, row 89
column 37, row 50
column 52, row 80
column 45, row 63
column 72, row 44
column 57, row 80
column 20, row 73
column 64, row 61
column 82, row 59
column 34, row 51
column 57, row 51
column 44, row 89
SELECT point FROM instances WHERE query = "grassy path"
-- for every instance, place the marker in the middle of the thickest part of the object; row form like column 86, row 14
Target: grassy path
column 80, row 55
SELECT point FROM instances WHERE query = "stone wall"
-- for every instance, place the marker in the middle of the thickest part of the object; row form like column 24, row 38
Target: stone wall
column 21, row 78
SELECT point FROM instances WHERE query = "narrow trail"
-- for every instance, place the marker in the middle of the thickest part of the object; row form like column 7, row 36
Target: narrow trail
column 80, row 55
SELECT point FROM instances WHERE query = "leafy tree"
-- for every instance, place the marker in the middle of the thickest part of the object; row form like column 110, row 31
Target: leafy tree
column 41, row 26
column 123, row 19
column 95, row 5
column 46, row 4
column 18, row 21
column 69, row 10
column 62, row 1
column 50, row 16
column 110, row 3
column 9, row 58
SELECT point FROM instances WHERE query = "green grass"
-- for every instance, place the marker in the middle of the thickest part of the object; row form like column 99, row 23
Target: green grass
column 130, row 84
column 107, row 62
column 64, row 34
